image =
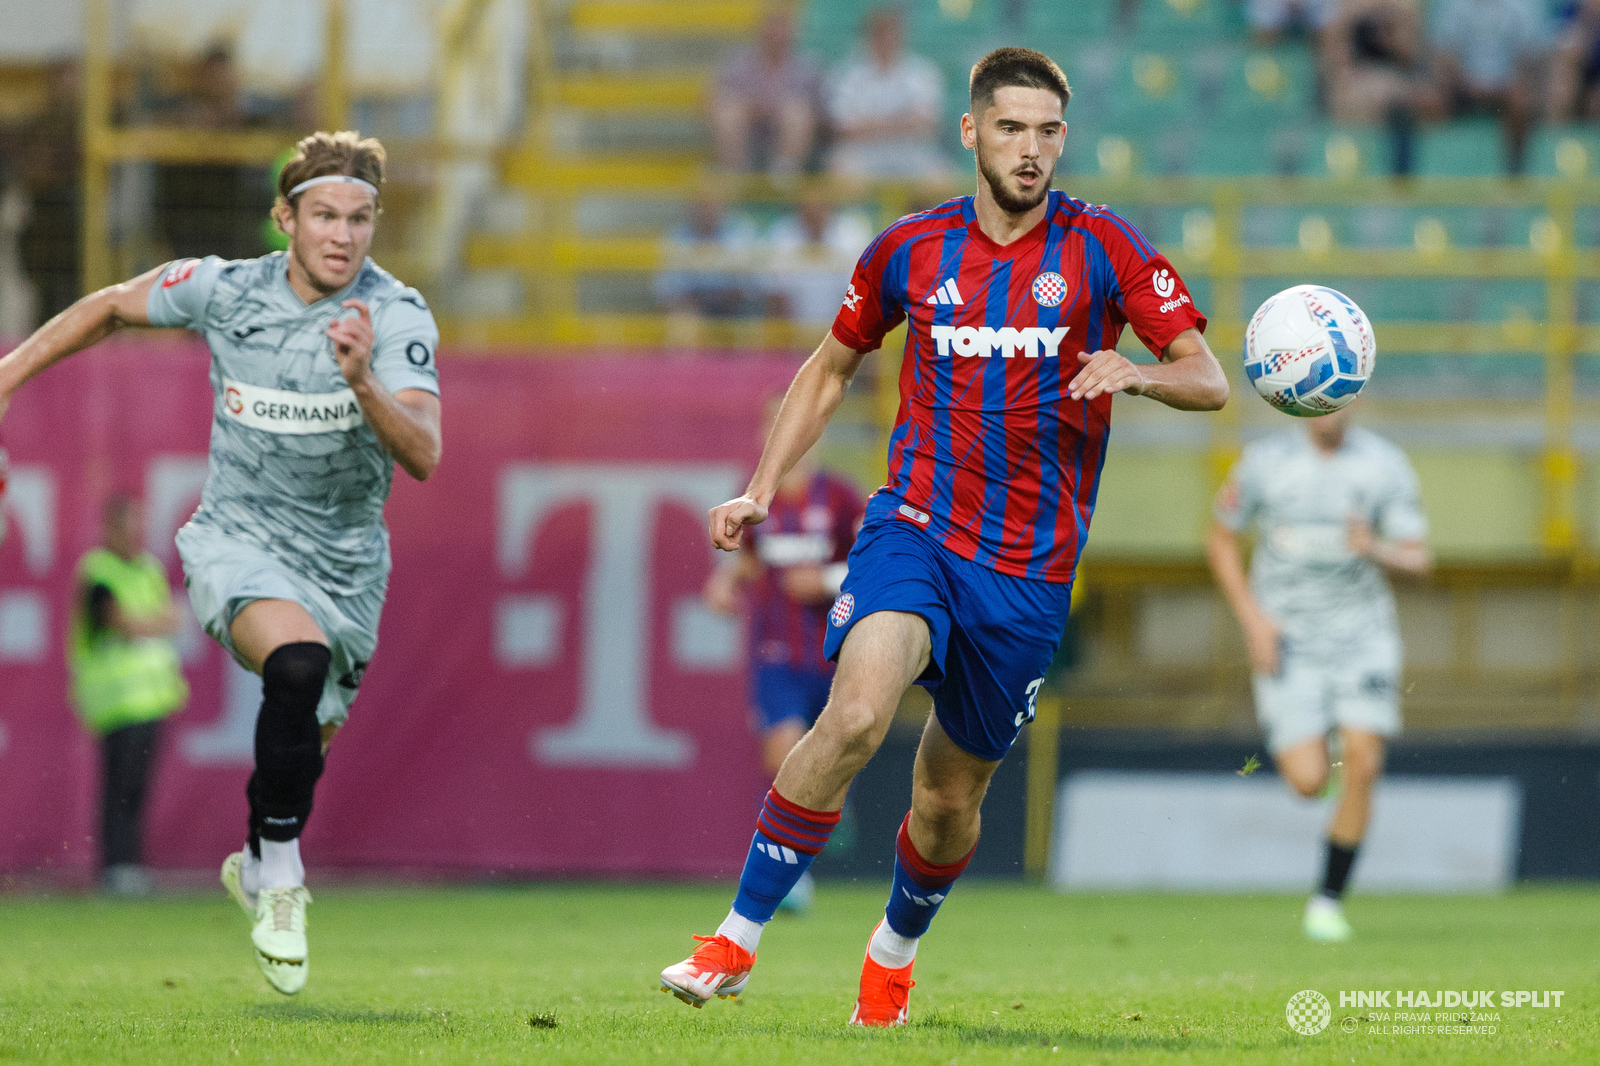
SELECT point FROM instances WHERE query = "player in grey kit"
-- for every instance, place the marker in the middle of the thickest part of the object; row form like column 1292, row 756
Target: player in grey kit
column 324, row 376
column 1334, row 508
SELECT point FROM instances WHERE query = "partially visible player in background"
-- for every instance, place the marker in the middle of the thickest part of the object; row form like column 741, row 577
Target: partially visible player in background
column 794, row 565
column 323, row 378
column 1334, row 508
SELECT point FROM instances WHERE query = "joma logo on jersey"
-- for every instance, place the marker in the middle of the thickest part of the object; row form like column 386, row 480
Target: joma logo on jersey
column 1030, row 341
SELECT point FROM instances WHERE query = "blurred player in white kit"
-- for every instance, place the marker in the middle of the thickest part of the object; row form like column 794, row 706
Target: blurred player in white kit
column 1335, row 509
column 323, row 378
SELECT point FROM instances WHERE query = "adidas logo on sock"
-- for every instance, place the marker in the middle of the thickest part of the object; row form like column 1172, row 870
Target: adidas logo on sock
column 778, row 852
column 931, row 900
column 946, row 294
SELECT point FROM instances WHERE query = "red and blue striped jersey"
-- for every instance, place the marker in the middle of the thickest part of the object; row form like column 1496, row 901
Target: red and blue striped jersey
column 989, row 453
column 814, row 527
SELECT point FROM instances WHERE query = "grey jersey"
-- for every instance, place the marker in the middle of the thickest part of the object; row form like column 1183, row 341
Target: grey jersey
column 294, row 468
column 1303, row 572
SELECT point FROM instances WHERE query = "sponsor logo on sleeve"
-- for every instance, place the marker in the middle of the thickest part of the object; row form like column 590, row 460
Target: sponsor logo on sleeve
column 293, row 413
column 851, row 297
column 179, row 273
column 1164, row 282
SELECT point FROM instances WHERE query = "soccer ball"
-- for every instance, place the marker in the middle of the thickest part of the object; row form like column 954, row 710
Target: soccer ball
column 1309, row 350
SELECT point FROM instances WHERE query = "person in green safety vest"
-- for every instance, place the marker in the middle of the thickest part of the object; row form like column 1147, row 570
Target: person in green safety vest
column 125, row 679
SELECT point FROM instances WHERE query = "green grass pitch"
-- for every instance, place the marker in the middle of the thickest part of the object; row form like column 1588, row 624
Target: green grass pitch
column 1008, row 974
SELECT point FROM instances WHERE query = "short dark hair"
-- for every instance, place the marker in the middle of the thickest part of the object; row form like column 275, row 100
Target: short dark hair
column 1021, row 67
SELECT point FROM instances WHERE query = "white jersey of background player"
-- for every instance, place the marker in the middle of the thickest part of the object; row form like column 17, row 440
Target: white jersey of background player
column 323, row 373
column 1333, row 507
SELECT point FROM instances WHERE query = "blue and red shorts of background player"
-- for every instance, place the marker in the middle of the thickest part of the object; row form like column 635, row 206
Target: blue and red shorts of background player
column 993, row 634
column 782, row 693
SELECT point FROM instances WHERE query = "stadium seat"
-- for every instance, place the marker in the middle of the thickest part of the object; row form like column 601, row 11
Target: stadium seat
column 1462, row 149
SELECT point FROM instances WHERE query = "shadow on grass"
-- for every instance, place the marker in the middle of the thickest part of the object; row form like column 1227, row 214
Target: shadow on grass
column 1082, row 1040
column 305, row 1012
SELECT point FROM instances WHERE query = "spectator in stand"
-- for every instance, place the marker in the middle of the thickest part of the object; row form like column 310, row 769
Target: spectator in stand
column 1272, row 20
column 708, row 258
column 1374, row 55
column 1575, row 67
column 884, row 107
column 811, row 254
column 766, row 103
column 1487, row 53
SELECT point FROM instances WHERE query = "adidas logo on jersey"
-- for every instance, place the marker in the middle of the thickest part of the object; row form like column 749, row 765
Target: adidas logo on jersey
column 946, row 294
column 969, row 341
column 778, row 852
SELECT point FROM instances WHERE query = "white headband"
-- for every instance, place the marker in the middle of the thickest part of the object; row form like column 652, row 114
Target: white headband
column 332, row 179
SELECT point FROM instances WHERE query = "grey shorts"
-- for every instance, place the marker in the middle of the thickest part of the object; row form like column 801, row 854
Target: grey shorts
column 225, row 574
column 1355, row 687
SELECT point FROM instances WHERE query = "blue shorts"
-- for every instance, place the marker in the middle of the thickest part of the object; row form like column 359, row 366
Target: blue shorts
column 781, row 694
column 993, row 634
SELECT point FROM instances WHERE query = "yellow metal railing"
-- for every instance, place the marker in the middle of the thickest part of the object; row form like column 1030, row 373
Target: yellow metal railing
column 105, row 144
column 1213, row 250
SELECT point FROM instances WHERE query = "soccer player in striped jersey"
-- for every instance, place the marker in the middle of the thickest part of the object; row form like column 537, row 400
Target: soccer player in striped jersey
column 962, row 575
column 793, row 569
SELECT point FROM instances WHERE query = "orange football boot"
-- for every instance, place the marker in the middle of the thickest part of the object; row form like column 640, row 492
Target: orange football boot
column 718, row 967
column 885, row 996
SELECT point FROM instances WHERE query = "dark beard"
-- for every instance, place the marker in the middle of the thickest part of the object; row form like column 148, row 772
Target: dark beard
column 1012, row 205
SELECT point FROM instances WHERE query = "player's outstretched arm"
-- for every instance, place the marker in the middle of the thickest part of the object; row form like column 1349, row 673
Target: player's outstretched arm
column 407, row 422
column 1188, row 377
column 1411, row 557
column 812, row 398
column 1261, row 633
column 91, row 319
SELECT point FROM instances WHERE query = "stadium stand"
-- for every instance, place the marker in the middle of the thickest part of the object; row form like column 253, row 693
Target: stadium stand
column 1485, row 293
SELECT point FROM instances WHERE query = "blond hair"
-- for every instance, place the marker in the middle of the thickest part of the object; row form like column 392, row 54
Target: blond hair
column 324, row 153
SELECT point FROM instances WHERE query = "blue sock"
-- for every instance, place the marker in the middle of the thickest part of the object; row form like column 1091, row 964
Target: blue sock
column 788, row 836
column 919, row 886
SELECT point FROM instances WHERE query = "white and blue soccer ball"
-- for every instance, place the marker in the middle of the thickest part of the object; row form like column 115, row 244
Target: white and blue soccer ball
column 1309, row 350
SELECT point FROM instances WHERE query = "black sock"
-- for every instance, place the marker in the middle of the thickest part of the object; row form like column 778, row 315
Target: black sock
column 1340, row 859
column 288, row 742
